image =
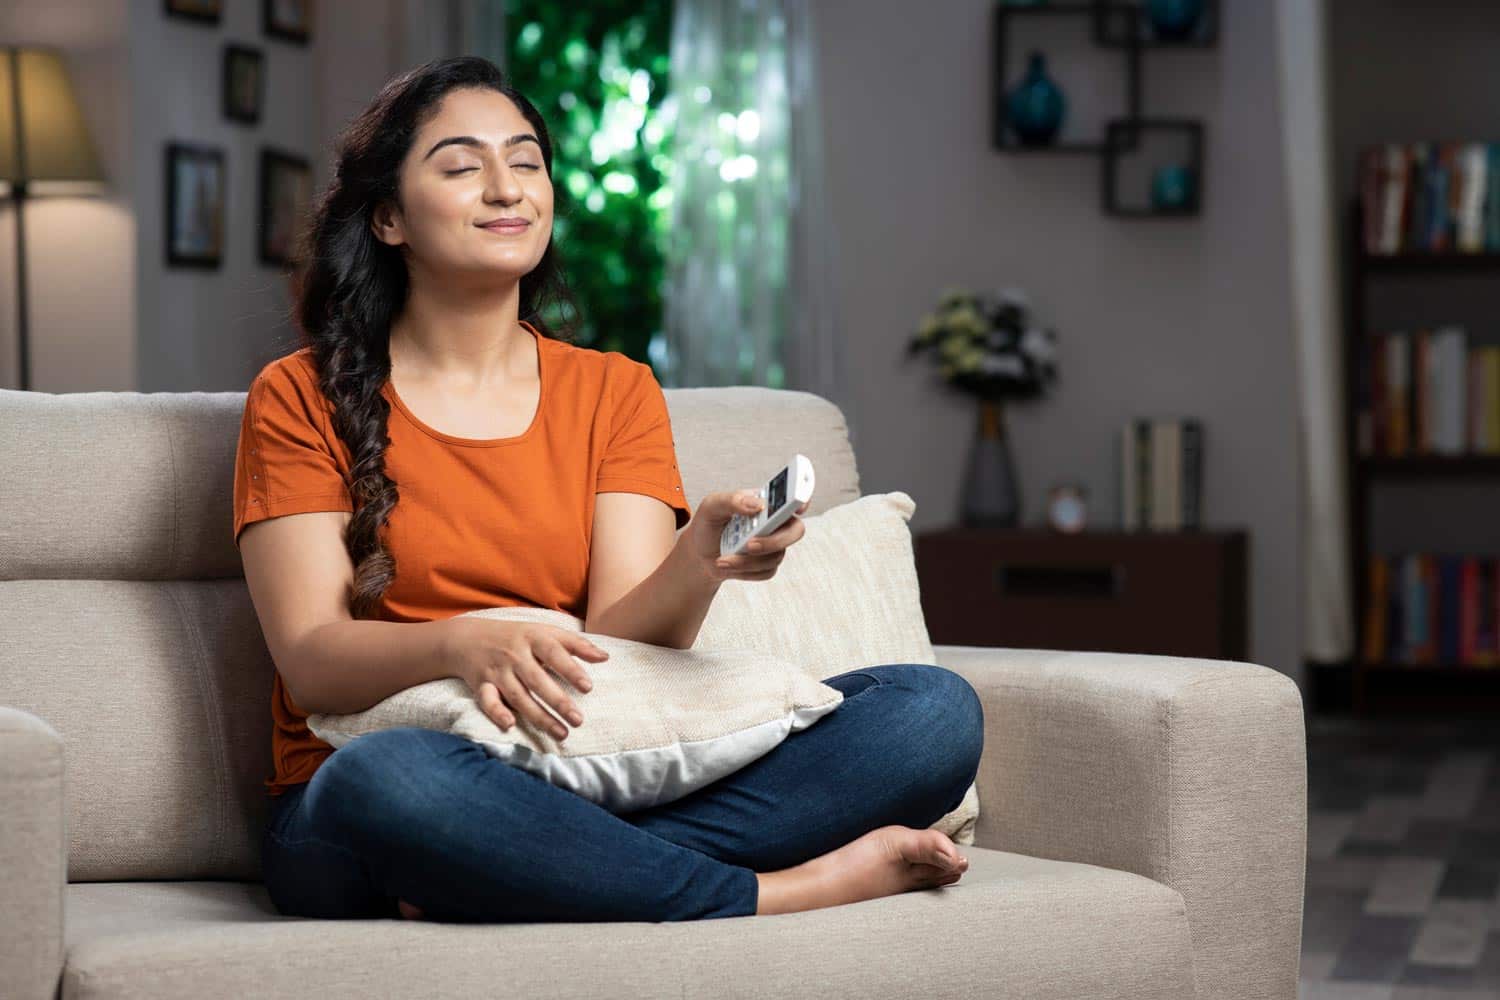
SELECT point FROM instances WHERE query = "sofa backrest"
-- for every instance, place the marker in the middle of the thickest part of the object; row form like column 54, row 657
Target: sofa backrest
column 126, row 624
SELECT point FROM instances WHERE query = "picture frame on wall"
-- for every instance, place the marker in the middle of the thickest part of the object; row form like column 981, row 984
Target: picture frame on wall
column 285, row 193
column 288, row 20
column 244, row 83
column 202, row 11
column 195, row 205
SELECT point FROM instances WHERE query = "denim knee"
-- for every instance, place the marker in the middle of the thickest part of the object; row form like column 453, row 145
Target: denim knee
column 385, row 780
column 958, row 736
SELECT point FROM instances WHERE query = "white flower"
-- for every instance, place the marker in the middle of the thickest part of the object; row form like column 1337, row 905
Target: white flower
column 1003, row 364
column 1037, row 344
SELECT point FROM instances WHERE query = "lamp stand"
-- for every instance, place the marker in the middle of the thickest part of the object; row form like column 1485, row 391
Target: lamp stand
column 22, row 334
column 18, row 191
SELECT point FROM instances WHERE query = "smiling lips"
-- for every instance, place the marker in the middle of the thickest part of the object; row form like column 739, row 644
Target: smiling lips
column 506, row 225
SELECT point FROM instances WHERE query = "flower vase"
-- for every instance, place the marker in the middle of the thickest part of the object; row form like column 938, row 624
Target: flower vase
column 1036, row 105
column 991, row 497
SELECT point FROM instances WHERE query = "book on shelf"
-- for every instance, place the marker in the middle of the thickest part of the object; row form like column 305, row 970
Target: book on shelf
column 1427, row 392
column 1430, row 197
column 1161, row 474
column 1432, row 609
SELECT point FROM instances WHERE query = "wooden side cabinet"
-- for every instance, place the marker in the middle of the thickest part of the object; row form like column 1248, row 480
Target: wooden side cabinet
column 1171, row 593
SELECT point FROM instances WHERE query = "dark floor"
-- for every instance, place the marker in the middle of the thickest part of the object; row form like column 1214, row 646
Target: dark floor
column 1403, row 860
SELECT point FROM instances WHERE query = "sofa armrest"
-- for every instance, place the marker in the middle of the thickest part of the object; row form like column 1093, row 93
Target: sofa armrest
column 1191, row 772
column 33, row 855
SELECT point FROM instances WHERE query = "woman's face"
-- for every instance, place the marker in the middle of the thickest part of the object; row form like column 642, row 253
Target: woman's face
column 475, row 162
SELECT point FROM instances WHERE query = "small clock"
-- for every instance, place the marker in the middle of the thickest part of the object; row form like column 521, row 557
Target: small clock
column 1067, row 507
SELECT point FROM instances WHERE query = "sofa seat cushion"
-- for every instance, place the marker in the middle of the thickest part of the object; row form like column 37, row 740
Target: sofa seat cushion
column 1014, row 926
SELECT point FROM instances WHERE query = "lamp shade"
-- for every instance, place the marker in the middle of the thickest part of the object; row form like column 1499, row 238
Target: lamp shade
column 43, row 137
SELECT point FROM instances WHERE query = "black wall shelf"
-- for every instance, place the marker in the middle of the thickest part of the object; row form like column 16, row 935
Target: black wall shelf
column 1111, row 25
column 1123, row 136
column 1003, row 136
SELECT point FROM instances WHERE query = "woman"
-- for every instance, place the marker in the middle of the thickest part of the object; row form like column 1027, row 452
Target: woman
column 531, row 471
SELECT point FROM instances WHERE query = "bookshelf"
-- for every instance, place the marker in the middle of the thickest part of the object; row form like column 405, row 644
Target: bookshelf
column 1391, row 687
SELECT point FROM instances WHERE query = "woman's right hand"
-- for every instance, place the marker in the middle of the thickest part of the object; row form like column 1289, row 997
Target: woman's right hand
column 506, row 665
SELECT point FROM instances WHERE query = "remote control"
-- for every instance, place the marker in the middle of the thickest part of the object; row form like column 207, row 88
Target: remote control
column 780, row 498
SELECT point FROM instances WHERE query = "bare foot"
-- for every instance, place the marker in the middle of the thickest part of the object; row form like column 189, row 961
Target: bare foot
column 883, row 862
column 408, row 912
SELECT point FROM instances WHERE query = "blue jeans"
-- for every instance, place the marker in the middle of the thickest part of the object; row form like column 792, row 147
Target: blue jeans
column 429, row 817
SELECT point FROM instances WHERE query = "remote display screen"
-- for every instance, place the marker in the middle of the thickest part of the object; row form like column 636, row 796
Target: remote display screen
column 776, row 492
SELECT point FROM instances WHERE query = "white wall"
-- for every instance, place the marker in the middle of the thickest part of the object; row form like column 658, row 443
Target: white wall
column 205, row 329
column 1153, row 317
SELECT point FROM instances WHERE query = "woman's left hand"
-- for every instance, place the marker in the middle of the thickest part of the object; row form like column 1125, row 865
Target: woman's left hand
column 760, row 557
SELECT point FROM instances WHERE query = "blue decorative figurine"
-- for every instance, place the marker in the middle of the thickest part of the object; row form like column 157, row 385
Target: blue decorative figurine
column 1172, row 188
column 1036, row 105
column 1174, row 20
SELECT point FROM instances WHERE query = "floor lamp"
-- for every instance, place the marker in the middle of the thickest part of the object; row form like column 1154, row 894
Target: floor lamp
column 44, row 149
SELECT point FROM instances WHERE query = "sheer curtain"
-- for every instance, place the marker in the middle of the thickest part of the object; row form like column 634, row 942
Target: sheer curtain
column 1328, row 616
column 750, row 265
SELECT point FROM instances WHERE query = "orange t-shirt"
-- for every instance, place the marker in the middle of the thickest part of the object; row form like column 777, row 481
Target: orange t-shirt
column 479, row 523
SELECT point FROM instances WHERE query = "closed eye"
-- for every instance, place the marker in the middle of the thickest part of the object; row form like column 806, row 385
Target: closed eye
column 517, row 166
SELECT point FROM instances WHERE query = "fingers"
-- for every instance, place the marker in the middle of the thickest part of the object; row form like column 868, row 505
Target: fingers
column 491, row 705
column 778, row 540
column 747, row 563
column 520, row 701
column 557, row 655
column 541, row 684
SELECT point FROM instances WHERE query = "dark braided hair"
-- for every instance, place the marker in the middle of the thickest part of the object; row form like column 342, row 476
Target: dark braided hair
column 350, row 286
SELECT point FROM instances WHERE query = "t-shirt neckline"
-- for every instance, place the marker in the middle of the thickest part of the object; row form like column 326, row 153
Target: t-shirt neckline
column 541, row 361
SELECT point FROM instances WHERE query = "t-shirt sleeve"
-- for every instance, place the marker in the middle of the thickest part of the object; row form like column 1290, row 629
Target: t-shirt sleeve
column 284, row 463
column 641, row 456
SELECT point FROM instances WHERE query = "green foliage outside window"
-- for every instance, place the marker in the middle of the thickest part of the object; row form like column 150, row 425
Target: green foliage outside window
column 598, row 74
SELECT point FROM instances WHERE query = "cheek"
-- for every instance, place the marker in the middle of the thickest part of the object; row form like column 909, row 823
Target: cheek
column 434, row 213
column 541, row 197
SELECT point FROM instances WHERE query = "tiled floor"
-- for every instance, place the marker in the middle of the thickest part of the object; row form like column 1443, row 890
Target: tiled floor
column 1403, row 860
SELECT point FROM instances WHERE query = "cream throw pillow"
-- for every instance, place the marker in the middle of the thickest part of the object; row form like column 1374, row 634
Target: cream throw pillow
column 845, row 597
column 658, row 723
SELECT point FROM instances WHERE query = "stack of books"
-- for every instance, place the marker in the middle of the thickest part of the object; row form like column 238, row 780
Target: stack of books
column 1427, row 392
column 1430, row 197
column 1161, row 474
column 1432, row 609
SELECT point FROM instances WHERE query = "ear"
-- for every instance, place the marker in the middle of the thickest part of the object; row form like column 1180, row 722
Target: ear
column 385, row 223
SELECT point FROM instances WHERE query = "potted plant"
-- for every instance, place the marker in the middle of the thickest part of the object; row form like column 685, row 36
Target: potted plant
column 987, row 345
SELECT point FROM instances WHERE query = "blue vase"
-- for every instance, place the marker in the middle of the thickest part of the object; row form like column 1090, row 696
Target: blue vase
column 1174, row 20
column 1036, row 105
column 1172, row 188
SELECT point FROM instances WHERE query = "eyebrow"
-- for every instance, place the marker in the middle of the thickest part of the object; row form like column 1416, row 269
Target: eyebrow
column 469, row 140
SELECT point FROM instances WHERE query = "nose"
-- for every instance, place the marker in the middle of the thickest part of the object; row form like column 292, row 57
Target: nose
column 504, row 186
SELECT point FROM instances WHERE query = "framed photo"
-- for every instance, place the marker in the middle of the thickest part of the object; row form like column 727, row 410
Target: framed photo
column 206, row 11
column 285, row 191
column 244, row 83
column 195, row 206
column 290, row 20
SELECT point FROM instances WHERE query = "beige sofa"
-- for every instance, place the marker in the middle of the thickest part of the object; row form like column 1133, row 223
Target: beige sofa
column 1142, row 824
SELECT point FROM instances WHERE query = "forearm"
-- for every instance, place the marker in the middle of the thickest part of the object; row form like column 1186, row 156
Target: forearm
column 666, row 608
column 349, row 666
